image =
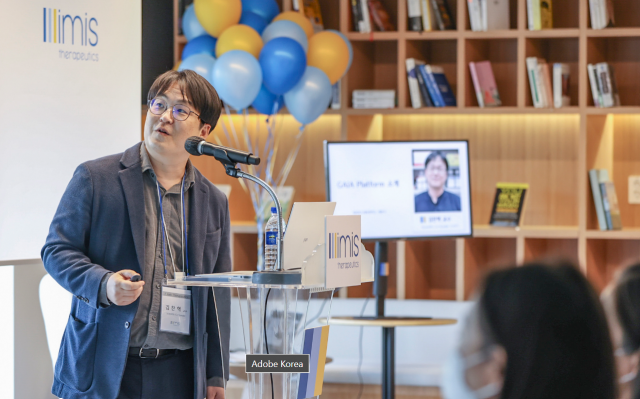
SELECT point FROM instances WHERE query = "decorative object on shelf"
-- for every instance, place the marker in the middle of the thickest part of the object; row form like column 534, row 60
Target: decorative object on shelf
column 311, row 9
column 484, row 84
column 594, row 179
column 634, row 190
column 508, row 204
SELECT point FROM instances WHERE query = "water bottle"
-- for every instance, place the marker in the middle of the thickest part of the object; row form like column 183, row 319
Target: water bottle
column 271, row 240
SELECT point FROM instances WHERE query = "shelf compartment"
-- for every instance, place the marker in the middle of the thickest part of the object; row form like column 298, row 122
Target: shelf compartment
column 503, row 56
column 482, row 255
column 375, row 67
column 622, row 53
column 390, row 5
column 513, row 16
column 509, row 148
column 613, row 143
column 606, row 257
column 565, row 14
column 431, row 269
column 564, row 50
column 541, row 249
column 435, row 52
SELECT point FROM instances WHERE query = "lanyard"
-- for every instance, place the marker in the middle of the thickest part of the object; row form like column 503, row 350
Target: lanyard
column 165, row 236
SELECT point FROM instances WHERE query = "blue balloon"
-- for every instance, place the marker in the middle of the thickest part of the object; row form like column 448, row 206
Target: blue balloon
column 267, row 9
column 348, row 45
column 237, row 77
column 307, row 100
column 285, row 28
column 202, row 44
column 253, row 20
column 200, row 63
column 283, row 63
column 266, row 100
column 190, row 25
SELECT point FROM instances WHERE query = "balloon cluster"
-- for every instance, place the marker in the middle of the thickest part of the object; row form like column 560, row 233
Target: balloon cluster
column 256, row 56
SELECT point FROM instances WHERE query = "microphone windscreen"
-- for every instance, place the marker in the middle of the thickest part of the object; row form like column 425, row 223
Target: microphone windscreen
column 191, row 145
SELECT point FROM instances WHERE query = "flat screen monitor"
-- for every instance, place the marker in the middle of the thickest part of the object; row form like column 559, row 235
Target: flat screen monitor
column 402, row 189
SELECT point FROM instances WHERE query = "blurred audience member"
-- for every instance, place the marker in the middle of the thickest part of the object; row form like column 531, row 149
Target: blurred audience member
column 536, row 332
column 621, row 301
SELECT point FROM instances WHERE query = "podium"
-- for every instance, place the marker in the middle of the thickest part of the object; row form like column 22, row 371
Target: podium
column 273, row 309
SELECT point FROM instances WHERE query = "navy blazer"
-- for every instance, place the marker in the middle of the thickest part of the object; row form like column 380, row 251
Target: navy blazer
column 100, row 227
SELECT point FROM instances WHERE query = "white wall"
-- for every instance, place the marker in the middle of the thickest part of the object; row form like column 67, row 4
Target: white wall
column 58, row 111
column 6, row 331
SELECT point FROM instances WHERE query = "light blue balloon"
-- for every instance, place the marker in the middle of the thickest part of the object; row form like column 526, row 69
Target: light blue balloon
column 201, row 63
column 190, row 25
column 307, row 100
column 237, row 77
column 285, row 28
column 348, row 45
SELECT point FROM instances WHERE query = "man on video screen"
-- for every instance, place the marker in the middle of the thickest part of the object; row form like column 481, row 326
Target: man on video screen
column 436, row 198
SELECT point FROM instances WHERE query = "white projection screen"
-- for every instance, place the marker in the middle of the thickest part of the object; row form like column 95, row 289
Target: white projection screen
column 70, row 80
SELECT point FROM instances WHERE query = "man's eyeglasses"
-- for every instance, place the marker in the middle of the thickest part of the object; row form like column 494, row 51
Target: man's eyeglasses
column 180, row 112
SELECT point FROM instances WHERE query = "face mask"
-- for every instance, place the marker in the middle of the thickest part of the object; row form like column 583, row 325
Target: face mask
column 454, row 385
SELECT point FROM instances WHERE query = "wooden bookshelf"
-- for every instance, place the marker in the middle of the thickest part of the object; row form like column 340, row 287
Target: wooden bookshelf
column 551, row 149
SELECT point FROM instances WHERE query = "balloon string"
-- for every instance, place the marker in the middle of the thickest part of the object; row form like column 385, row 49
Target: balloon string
column 292, row 158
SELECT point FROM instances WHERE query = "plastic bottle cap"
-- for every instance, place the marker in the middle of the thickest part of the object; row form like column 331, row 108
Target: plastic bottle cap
column 273, row 209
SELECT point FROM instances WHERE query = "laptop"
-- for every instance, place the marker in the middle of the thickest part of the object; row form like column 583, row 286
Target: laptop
column 304, row 231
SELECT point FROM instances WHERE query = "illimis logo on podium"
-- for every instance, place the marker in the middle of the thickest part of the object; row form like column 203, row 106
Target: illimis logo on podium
column 343, row 251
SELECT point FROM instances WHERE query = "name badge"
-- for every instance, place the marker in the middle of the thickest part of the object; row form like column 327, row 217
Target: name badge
column 176, row 310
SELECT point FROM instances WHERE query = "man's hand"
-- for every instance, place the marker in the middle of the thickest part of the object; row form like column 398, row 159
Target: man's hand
column 215, row 393
column 121, row 290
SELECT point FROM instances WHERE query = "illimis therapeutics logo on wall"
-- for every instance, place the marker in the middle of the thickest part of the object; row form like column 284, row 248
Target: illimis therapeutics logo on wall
column 71, row 29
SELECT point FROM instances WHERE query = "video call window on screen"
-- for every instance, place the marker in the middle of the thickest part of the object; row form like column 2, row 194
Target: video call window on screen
column 436, row 176
column 402, row 189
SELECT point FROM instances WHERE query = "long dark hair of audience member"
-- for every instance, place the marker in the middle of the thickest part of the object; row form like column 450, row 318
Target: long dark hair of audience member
column 549, row 323
column 627, row 302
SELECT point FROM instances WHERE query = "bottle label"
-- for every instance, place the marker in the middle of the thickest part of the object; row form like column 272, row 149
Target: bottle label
column 271, row 237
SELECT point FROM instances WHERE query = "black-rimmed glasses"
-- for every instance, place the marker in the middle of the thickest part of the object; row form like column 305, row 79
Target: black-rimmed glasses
column 180, row 112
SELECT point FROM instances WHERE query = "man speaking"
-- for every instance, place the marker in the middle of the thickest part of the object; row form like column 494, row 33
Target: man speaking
column 127, row 223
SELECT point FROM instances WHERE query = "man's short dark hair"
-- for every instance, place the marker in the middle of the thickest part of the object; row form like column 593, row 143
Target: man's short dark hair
column 202, row 96
column 434, row 155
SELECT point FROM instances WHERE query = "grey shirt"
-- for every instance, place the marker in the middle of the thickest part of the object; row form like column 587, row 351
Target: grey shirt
column 145, row 329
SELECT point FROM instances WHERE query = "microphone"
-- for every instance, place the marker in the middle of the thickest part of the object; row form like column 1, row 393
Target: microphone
column 198, row 146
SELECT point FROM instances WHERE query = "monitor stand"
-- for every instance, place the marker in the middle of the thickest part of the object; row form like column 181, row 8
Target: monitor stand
column 381, row 275
column 388, row 334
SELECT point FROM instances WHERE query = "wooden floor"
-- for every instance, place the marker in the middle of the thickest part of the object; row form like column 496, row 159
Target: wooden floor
column 350, row 391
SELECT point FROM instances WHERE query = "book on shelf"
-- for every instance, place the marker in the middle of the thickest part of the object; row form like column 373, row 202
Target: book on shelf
column 366, row 18
column 336, row 95
column 380, row 16
column 546, row 14
column 484, row 83
column 535, row 82
column 593, row 82
column 561, row 82
column 604, row 88
column 422, row 84
column 601, row 13
column 412, row 80
column 446, row 98
column 432, row 87
column 508, row 204
column 545, row 77
column 312, row 11
column 487, row 15
column 443, row 16
column 428, row 21
column 610, row 205
column 594, row 180
column 356, row 15
column 533, row 14
column 414, row 13
column 373, row 99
